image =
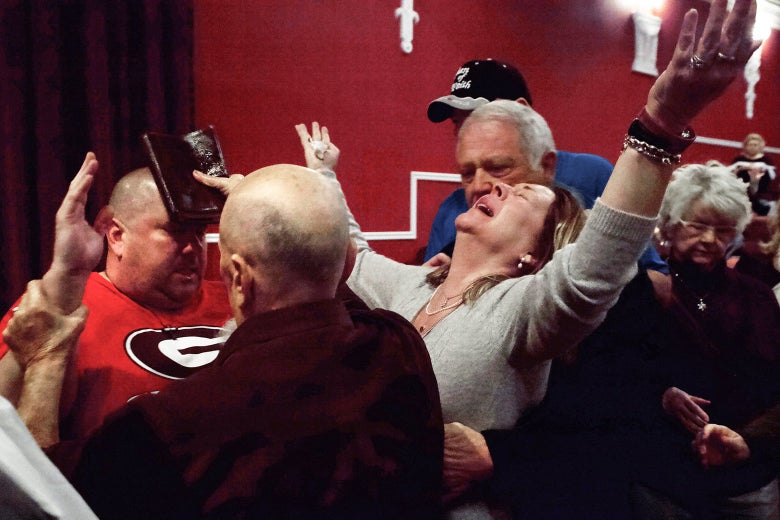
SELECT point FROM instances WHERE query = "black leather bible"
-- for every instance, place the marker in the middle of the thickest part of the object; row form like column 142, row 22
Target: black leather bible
column 172, row 159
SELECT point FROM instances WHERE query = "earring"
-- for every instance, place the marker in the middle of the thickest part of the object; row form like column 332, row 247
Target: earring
column 526, row 259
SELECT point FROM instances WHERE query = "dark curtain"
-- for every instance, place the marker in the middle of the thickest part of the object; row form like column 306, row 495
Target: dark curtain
column 78, row 76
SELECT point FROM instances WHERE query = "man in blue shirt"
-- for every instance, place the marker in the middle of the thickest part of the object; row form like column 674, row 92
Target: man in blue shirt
column 476, row 83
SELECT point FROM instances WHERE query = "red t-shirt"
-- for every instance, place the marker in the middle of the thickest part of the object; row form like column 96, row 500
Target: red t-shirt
column 126, row 349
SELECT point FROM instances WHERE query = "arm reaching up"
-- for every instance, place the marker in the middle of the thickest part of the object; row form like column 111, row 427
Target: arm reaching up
column 698, row 73
column 78, row 246
column 46, row 326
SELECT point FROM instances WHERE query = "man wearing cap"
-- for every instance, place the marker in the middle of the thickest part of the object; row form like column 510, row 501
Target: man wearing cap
column 476, row 83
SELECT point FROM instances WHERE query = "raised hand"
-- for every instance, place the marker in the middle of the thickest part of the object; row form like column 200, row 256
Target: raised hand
column 318, row 150
column 700, row 71
column 78, row 246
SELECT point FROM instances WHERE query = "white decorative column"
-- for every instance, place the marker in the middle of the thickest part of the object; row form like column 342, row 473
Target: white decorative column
column 408, row 17
column 752, row 75
column 646, row 29
column 767, row 18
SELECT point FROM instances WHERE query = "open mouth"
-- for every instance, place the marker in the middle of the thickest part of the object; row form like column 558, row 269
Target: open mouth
column 483, row 207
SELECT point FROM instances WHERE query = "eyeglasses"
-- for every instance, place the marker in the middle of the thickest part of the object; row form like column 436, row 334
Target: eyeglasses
column 722, row 233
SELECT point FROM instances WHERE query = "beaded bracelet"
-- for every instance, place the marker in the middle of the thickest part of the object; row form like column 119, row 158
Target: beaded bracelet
column 651, row 152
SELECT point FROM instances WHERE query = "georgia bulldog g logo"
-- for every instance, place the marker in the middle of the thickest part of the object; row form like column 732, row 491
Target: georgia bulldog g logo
column 174, row 353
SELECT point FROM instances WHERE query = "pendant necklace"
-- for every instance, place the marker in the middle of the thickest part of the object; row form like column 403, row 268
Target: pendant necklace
column 443, row 307
column 702, row 306
column 426, row 328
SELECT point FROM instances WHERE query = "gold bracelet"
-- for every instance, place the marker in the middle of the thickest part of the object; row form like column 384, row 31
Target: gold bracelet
column 651, row 152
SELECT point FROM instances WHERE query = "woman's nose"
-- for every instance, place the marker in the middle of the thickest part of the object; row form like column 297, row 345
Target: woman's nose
column 502, row 190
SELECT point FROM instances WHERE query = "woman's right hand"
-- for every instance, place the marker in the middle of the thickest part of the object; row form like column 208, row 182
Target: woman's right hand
column 699, row 73
column 686, row 408
column 318, row 150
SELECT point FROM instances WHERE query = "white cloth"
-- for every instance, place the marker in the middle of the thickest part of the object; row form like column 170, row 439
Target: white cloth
column 31, row 486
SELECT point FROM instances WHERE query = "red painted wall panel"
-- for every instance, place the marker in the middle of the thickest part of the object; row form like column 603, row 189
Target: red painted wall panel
column 263, row 66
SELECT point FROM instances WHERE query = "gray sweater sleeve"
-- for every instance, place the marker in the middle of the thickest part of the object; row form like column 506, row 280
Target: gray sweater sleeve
column 354, row 228
column 571, row 295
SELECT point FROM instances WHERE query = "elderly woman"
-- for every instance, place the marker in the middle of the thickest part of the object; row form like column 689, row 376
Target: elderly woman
column 757, row 169
column 723, row 362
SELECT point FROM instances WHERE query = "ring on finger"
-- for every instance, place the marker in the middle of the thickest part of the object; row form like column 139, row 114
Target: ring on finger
column 697, row 62
column 724, row 57
column 319, row 149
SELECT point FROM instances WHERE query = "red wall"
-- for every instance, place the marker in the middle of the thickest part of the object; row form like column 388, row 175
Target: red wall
column 263, row 66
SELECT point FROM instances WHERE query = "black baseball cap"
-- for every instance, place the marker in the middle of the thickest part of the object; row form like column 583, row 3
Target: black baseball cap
column 476, row 83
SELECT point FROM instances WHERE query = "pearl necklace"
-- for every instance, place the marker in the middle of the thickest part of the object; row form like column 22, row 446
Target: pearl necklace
column 443, row 307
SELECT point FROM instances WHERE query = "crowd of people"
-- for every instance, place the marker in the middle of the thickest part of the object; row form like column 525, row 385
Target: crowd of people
column 544, row 362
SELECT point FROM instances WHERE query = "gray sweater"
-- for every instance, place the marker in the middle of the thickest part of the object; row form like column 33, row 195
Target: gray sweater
column 492, row 357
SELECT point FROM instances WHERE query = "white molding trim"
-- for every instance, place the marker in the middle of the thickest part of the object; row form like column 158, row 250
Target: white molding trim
column 714, row 141
column 411, row 234
column 414, row 179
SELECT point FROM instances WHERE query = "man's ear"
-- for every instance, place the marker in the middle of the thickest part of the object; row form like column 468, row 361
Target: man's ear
column 115, row 236
column 523, row 101
column 242, row 284
column 549, row 163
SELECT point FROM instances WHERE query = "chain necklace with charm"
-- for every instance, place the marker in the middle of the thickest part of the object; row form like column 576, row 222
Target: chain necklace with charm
column 701, row 305
column 445, row 306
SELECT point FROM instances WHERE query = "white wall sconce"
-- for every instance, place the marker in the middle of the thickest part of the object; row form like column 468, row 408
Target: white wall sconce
column 646, row 29
column 767, row 17
column 647, row 26
column 407, row 17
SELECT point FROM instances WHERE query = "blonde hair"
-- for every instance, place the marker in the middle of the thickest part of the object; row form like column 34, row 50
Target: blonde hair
column 751, row 137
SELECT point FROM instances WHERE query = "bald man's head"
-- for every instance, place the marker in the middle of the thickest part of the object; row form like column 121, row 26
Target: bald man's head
column 155, row 261
column 135, row 194
column 290, row 225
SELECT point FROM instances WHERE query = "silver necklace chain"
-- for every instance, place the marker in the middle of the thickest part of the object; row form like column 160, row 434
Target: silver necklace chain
column 444, row 306
column 702, row 306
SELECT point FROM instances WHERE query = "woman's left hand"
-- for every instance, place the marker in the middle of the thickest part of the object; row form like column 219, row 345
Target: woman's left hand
column 699, row 72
